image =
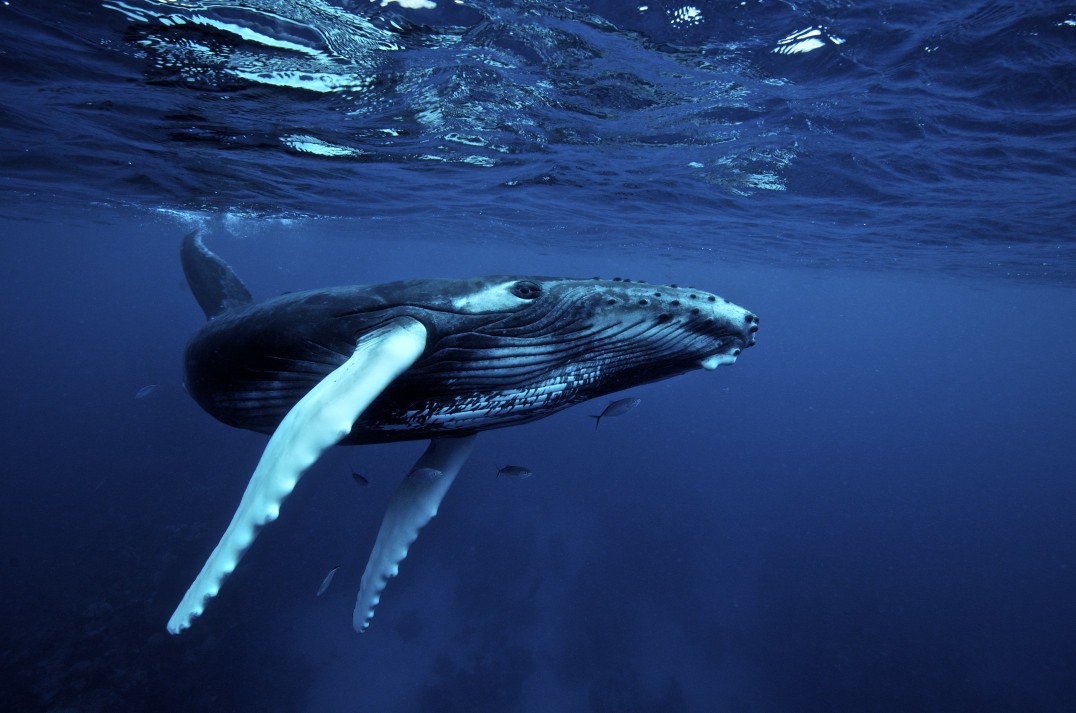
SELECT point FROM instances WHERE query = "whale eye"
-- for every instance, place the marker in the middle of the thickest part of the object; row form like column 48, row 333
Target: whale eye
column 527, row 290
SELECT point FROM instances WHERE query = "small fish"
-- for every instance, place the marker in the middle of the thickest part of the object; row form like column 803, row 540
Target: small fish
column 515, row 471
column 617, row 408
column 328, row 580
column 146, row 391
column 426, row 475
column 359, row 478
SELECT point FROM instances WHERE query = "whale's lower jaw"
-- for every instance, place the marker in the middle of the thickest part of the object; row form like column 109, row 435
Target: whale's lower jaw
column 712, row 362
column 467, row 414
column 431, row 403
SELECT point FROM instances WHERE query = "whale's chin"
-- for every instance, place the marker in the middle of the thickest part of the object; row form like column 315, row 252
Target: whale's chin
column 712, row 362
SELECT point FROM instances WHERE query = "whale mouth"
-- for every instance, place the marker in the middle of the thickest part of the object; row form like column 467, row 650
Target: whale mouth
column 729, row 352
column 712, row 362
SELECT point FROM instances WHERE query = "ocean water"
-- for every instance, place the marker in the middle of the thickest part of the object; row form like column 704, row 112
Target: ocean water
column 874, row 509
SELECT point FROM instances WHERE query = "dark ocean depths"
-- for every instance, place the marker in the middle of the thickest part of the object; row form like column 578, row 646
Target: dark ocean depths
column 874, row 510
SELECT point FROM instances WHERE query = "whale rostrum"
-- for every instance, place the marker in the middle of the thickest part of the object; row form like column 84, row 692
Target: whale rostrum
column 437, row 360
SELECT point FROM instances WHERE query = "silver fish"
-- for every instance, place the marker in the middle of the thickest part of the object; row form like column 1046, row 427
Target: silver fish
column 328, row 580
column 617, row 408
column 145, row 391
column 515, row 471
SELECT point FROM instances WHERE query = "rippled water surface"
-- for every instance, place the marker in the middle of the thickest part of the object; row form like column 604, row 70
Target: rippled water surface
column 935, row 135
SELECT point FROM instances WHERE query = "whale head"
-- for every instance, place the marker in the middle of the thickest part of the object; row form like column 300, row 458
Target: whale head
column 602, row 335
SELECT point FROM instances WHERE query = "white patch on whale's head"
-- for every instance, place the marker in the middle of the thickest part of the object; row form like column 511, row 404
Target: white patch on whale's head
column 505, row 296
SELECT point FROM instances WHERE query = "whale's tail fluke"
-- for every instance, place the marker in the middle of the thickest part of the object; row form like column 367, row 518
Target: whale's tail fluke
column 213, row 282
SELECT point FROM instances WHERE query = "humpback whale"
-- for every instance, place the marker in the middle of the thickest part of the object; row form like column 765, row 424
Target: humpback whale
column 438, row 360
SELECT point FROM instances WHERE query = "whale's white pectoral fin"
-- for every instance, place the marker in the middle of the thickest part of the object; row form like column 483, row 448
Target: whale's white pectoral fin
column 414, row 504
column 319, row 420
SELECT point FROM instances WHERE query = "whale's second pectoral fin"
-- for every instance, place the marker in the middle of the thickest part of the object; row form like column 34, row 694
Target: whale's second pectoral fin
column 319, row 420
column 414, row 504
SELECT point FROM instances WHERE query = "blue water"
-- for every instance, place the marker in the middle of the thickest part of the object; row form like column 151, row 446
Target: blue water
column 873, row 510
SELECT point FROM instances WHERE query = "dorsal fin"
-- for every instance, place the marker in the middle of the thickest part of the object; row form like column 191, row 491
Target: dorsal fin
column 213, row 282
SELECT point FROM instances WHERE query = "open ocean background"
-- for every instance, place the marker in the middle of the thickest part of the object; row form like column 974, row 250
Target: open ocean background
column 872, row 511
